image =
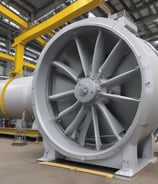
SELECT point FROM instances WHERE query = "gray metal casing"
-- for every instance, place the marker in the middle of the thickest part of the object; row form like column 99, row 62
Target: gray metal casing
column 17, row 97
column 124, row 154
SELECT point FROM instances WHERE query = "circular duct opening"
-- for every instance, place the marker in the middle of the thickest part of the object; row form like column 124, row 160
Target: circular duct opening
column 91, row 84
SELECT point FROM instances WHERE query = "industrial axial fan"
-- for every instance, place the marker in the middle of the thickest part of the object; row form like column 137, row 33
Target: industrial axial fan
column 94, row 96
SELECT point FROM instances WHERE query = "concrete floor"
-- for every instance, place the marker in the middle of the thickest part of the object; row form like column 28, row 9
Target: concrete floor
column 18, row 165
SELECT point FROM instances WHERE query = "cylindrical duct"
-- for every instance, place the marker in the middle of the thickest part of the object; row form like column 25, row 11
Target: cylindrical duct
column 15, row 97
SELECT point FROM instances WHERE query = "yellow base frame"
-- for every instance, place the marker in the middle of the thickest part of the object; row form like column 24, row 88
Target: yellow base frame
column 12, row 131
column 80, row 169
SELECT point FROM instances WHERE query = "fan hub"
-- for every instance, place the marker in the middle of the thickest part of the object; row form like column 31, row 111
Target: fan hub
column 85, row 90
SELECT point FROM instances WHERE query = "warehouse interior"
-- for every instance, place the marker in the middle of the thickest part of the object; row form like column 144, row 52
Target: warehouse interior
column 29, row 29
column 143, row 13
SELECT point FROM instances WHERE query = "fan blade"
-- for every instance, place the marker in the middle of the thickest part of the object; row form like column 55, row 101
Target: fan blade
column 84, row 129
column 76, row 122
column 99, row 53
column 119, row 98
column 113, row 59
column 96, row 128
column 66, row 70
column 111, row 120
column 62, row 95
column 68, row 110
column 121, row 78
column 83, row 53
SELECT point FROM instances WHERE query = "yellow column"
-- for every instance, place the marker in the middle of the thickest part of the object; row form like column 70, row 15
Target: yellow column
column 18, row 64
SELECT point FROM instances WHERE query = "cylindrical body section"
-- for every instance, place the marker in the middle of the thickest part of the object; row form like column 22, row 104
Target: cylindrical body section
column 15, row 97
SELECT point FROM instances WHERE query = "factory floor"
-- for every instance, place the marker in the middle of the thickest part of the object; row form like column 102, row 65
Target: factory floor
column 18, row 165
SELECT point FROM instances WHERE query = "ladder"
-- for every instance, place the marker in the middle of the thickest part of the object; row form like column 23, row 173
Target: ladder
column 20, row 133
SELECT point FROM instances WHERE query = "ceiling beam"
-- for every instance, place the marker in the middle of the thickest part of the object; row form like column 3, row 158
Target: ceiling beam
column 69, row 13
column 111, row 6
column 127, row 9
column 148, row 19
column 18, row 20
column 155, row 34
column 47, row 7
column 21, row 9
column 144, row 25
column 146, row 5
column 13, row 17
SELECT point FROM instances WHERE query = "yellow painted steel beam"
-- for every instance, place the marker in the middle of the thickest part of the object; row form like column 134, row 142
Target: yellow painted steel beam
column 18, row 60
column 12, row 59
column 72, row 11
column 7, row 57
column 29, row 65
column 12, row 131
column 80, row 169
column 51, row 34
column 41, row 41
column 18, row 20
column 13, row 17
column 18, row 64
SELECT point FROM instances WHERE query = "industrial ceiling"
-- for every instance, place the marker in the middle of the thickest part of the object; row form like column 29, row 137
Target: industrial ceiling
column 143, row 12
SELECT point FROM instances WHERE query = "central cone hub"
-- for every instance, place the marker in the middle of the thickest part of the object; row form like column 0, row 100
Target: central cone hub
column 85, row 90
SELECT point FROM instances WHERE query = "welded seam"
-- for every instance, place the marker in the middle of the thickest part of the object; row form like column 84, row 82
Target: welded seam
column 2, row 99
